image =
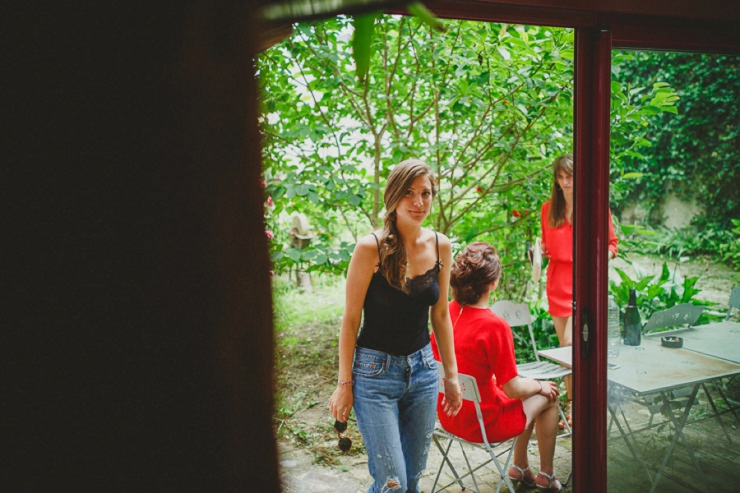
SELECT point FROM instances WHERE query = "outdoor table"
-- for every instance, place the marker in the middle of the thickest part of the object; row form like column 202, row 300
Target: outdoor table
column 653, row 369
column 719, row 339
column 562, row 355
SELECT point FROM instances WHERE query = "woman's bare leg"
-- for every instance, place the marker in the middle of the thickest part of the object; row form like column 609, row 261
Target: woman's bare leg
column 546, row 431
column 534, row 406
column 564, row 329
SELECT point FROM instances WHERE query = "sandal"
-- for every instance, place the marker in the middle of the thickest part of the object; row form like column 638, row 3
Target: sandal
column 553, row 485
column 528, row 480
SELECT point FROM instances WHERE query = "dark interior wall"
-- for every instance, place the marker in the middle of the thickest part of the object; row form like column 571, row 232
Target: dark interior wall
column 136, row 324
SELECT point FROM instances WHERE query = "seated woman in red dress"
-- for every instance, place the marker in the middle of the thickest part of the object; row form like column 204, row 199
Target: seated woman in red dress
column 484, row 346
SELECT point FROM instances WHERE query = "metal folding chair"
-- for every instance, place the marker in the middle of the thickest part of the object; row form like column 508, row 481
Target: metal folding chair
column 518, row 315
column 681, row 316
column 470, row 392
column 734, row 301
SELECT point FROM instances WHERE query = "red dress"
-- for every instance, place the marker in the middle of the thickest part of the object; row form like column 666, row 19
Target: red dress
column 484, row 347
column 557, row 244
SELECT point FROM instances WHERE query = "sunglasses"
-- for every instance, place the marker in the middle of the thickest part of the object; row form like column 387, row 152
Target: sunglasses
column 344, row 442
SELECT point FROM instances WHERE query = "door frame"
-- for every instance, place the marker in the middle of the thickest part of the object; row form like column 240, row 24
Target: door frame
column 708, row 26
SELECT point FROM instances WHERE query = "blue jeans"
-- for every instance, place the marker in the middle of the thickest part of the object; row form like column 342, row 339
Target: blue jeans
column 395, row 401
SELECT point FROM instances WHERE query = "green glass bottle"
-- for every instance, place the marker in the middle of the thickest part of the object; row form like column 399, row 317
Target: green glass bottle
column 632, row 322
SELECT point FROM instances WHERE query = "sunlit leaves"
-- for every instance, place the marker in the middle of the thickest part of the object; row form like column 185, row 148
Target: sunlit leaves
column 487, row 105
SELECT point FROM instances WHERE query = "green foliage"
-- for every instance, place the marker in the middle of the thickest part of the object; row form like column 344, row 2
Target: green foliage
column 488, row 106
column 544, row 330
column 721, row 246
column 656, row 292
column 731, row 253
column 635, row 104
column 306, row 331
column 693, row 151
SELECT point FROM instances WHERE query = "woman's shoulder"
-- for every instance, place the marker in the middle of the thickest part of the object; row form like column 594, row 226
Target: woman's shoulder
column 367, row 245
column 370, row 239
column 498, row 320
column 487, row 326
column 435, row 237
column 546, row 206
column 495, row 323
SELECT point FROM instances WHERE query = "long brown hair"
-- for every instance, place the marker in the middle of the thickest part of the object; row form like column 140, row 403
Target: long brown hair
column 392, row 251
column 475, row 268
column 556, row 216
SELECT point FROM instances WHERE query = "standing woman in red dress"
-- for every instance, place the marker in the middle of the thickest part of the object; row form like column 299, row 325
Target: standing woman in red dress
column 557, row 246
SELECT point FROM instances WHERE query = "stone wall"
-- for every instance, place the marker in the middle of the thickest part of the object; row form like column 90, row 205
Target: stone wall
column 673, row 212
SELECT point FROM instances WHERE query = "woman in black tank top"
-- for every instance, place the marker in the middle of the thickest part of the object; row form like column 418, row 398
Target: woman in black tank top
column 398, row 279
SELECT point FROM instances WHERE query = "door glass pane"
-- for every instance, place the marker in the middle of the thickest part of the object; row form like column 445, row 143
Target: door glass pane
column 673, row 385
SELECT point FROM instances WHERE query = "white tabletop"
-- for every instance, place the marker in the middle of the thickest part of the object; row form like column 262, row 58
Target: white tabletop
column 562, row 355
column 651, row 367
column 720, row 339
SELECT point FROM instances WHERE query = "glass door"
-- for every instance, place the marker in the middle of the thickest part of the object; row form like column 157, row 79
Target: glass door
column 673, row 361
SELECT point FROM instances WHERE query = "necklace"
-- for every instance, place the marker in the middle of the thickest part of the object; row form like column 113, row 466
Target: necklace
column 458, row 317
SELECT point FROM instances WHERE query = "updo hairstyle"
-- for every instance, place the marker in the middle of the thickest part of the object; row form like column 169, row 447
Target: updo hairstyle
column 474, row 269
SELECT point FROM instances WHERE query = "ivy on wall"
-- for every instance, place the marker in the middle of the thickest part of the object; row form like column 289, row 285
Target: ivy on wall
column 695, row 151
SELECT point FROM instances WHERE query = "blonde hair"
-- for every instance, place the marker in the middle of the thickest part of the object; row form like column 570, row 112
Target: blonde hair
column 556, row 216
column 392, row 251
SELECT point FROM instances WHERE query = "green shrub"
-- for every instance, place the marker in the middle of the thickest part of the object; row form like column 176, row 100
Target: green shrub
column 658, row 292
column 708, row 239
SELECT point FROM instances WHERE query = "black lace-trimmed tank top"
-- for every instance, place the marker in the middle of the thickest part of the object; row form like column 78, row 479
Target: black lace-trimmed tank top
column 395, row 322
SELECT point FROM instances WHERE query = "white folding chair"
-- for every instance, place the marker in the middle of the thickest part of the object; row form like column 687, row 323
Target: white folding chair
column 681, row 317
column 517, row 315
column 734, row 301
column 470, row 392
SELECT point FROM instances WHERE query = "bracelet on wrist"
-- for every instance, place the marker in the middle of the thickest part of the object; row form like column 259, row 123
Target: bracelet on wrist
column 348, row 382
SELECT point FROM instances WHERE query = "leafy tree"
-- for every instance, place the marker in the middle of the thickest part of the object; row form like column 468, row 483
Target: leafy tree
column 484, row 104
column 488, row 106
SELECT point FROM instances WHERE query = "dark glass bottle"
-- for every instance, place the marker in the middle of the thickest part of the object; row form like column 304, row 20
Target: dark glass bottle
column 632, row 322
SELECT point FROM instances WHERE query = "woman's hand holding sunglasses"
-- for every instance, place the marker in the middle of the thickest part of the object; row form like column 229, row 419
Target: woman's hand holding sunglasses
column 341, row 401
column 344, row 442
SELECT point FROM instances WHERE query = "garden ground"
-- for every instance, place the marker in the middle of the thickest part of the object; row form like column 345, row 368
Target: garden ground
column 308, row 327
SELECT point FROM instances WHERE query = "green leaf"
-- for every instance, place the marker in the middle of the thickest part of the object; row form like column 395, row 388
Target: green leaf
column 309, row 254
column 294, row 254
column 632, row 176
column 362, row 43
column 419, row 10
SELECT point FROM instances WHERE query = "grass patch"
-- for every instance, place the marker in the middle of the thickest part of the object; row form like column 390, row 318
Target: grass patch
column 307, row 324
